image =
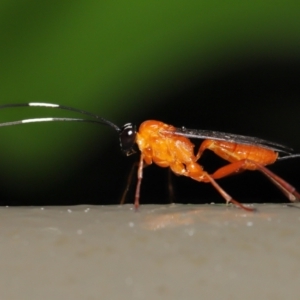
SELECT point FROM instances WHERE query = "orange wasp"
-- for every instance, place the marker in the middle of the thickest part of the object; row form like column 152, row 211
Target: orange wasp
column 168, row 146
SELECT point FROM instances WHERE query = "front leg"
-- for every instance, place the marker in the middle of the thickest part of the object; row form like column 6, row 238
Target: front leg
column 139, row 180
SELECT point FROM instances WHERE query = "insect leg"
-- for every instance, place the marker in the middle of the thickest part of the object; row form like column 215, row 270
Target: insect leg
column 288, row 190
column 232, row 168
column 170, row 186
column 205, row 145
column 196, row 172
column 226, row 196
column 129, row 180
column 139, row 180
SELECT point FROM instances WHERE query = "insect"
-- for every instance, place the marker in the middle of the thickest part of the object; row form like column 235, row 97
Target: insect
column 168, row 146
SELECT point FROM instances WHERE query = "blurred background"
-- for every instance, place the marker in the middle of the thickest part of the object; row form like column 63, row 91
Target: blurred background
column 227, row 66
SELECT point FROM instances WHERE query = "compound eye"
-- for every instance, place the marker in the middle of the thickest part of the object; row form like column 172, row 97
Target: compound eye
column 127, row 138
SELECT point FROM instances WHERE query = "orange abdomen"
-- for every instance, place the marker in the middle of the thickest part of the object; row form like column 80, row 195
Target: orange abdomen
column 235, row 152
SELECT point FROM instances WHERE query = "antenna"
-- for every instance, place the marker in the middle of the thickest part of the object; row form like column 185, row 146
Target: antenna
column 39, row 120
column 100, row 120
column 127, row 134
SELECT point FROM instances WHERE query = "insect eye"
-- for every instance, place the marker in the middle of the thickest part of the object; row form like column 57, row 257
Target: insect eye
column 127, row 138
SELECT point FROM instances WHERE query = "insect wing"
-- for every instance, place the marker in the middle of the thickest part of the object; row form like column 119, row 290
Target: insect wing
column 229, row 137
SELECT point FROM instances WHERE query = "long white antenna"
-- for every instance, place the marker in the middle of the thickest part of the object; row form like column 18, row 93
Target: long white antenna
column 57, row 106
column 39, row 120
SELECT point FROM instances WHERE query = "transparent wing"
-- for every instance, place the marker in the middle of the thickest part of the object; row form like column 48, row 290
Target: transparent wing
column 230, row 137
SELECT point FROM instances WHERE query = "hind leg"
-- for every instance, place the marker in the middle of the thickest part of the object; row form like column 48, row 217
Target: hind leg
column 197, row 173
column 289, row 191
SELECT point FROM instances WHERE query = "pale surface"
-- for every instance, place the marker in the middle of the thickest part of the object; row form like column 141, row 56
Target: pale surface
column 160, row 252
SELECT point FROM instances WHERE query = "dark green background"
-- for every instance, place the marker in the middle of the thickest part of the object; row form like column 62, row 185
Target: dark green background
column 224, row 65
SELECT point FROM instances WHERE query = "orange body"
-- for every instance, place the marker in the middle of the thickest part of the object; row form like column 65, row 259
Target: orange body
column 159, row 143
column 177, row 152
